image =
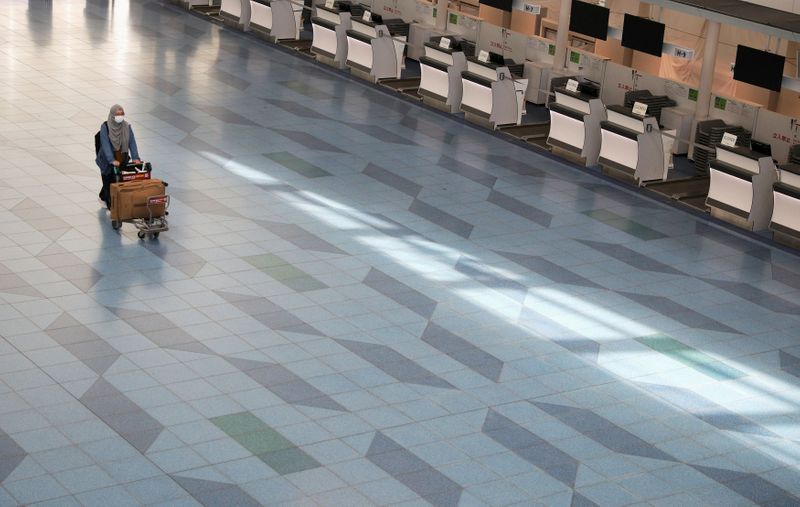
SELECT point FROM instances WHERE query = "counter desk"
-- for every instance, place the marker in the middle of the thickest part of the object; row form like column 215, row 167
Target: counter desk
column 236, row 13
column 785, row 222
column 634, row 146
column 741, row 187
column 441, row 68
column 575, row 123
column 490, row 94
column 329, row 26
column 275, row 20
column 375, row 48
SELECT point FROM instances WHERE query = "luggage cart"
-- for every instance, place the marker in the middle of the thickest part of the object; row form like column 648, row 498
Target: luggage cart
column 152, row 225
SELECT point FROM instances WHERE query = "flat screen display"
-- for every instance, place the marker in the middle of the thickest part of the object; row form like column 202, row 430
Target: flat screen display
column 758, row 68
column 589, row 19
column 643, row 35
column 503, row 5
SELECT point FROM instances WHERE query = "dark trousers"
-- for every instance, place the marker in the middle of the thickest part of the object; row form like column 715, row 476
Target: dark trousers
column 105, row 192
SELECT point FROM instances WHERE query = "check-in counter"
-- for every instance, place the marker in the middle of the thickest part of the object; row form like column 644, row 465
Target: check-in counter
column 785, row 223
column 634, row 146
column 440, row 81
column 575, row 123
column 275, row 20
column 491, row 95
column 330, row 26
column 741, row 187
column 375, row 49
column 236, row 13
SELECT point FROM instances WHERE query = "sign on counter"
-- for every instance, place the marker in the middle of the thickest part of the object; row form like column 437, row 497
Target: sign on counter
column 572, row 85
column 367, row 16
column 728, row 139
column 329, row 4
column 483, row 56
column 639, row 108
column 444, row 43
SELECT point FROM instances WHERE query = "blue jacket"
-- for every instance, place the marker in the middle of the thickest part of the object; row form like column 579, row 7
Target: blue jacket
column 106, row 154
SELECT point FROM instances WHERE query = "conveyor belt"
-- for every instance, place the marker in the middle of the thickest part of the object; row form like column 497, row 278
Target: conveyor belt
column 528, row 131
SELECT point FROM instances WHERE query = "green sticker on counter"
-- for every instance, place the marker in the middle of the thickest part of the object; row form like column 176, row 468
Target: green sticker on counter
column 720, row 103
column 574, row 57
column 434, row 12
column 551, row 49
column 453, row 19
column 693, row 94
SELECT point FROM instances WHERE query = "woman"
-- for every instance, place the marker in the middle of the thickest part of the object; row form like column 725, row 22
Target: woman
column 116, row 141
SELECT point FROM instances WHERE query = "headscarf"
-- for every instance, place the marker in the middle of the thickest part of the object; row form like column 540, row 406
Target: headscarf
column 118, row 133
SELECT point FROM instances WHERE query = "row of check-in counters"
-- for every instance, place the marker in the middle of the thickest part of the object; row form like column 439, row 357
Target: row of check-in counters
column 746, row 187
column 375, row 49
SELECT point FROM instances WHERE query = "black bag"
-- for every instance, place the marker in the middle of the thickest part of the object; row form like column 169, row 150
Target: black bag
column 97, row 144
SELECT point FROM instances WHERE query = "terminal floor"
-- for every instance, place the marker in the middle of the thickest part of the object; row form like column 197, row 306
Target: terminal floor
column 359, row 302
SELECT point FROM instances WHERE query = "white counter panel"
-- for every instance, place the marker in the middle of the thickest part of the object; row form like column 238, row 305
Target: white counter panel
column 567, row 130
column 328, row 16
column 359, row 52
column 786, row 211
column 324, row 39
column 439, row 56
column 477, row 96
column 434, row 80
column 261, row 15
column 367, row 30
column 482, row 70
column 736, row 160
column 232, row 7
column 572, row 103
column 625, row 121
column 620, row 149
column 730, row 190
column 790, row 179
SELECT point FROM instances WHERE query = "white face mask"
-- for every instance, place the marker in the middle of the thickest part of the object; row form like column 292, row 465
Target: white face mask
column 119, row 119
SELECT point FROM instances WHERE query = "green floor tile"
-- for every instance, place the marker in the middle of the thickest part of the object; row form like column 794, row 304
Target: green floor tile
column 304, row 284
column 625, row 225
column 297, row 164
column 239, row 424
column 265, row 261
column 284, row 272
column 280, row 270
column 252, row 433
column 267, row 440
column 289, row 461
column 691, row 357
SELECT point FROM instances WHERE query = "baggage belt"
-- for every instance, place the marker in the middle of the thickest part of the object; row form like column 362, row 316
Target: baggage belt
column 129, row 199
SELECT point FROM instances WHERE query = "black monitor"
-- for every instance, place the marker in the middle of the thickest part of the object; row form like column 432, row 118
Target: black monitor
column 376, row 18
column 759, row 147
column 589, row 19
column 503, row 5
column 496, row 58
column 758, row 68
column 643, row 35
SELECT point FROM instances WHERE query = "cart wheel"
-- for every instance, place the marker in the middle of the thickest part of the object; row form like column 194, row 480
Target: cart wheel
column 155, row 235
column 141, row 235
column 116, row 224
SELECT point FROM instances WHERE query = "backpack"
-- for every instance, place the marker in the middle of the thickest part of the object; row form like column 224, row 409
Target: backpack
column 97, row 144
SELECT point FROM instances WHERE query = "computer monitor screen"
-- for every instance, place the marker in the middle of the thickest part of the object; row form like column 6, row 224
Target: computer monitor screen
column 497, row 58
column 758, row 68
column 589, row 19
column 503, row 5
column 376, row 18
column 643, row 35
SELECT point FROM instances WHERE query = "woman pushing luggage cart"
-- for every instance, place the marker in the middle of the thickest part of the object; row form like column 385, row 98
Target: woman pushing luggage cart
column 128, row 191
